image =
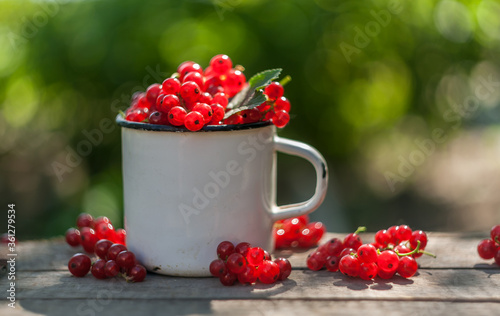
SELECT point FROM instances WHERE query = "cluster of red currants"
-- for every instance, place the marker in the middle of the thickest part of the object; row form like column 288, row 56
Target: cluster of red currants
column 297, row 232
column 247, row 264
column 91, row 230
column 394, row 250
column 194, row 97
column 98, row 236
column 490, row 248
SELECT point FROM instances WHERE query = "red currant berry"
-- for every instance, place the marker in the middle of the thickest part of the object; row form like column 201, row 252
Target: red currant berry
column 349, row 265
column 79, row 265
column 334, row 247
column 213, row 85
column 85, row 220
column 205, row 110
column 402, row 249
column 101, row 219
column 125, row 259
column 495, row 234
column 305, row 239
column 114, row 250
column 385, row 275
column 218, row 268
column 190, row 91
column 195, row 77
column 236, row 263
column 418, row 236
column 352, row 240
column 224, row 249
column 98, row 269
column 152, row 93
column 269, row 272
column 316, row 260
column 282, row 104
column 332, row 263
column 250, row 116
column 187, row 67
column 221, row 64
column 137, row 115
column 383, row 238
column 194, row 121
column 267, row 255
column 404, row 233
column 73, row 237
column 393, row 233
column 407, row 266
column 101, row 248
column 281, row 118
column 176, row 116
column 111, row 269
column 120, row 236
column 280, row 239
column 220, row 98
column 255, row 256
column 317, row 229
column 487, row 248
column 242, row 248
column 497, row 256
column 218, row 114
column 234, row 119
column 388, row 261
column 169, row 101
column 274, row 90
column 368, row 271
column 249, row 275
column 137, row 273
column 104, row 231
column 285, row 268
column 347, row 251
column 89, row 239
column 367, row 253
column 228, row 279
column 235, row 81
column 205, row 97
column 171, row 86
column 293, row 228
column 158, row 118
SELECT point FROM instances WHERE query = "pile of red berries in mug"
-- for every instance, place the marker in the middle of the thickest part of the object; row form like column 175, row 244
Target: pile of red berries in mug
column 220, row 94
column 394, row 250
column 247, row 264
column 490, row 248
column 98, row 236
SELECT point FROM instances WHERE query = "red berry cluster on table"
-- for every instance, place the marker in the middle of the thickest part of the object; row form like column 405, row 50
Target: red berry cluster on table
column 394, row 250
column 220, row 94
column 98, row 236
column 297, row 232
column 490, row 248
column 247, row 264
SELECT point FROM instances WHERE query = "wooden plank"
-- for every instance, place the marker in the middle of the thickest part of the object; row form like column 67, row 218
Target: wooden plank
column 56, row 307
column 431, row 285
column 454, row 250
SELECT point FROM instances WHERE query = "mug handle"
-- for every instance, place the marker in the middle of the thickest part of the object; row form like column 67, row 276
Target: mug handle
column 309, row 153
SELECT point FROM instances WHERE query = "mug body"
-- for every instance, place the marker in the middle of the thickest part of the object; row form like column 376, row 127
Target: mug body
column 185, row 192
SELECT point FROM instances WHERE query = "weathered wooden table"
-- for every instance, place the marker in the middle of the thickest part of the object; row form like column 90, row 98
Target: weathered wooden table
column 458, row 282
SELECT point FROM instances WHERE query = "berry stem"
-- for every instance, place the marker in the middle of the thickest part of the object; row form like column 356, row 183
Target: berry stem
column 411, row 252
column 360, row 230
column 285, row 80
column 497, row 240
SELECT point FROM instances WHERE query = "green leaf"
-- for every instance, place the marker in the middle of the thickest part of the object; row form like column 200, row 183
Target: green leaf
column 257, row 99
column 257, row 81
column 264, row 78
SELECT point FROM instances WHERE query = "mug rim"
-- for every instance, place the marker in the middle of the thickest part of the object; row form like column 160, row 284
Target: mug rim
column 120, row 120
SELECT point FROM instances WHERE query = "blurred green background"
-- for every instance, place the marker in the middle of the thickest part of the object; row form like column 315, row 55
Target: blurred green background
column 401, row 97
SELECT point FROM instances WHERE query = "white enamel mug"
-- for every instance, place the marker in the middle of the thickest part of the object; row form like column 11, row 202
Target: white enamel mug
column 185, row 192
